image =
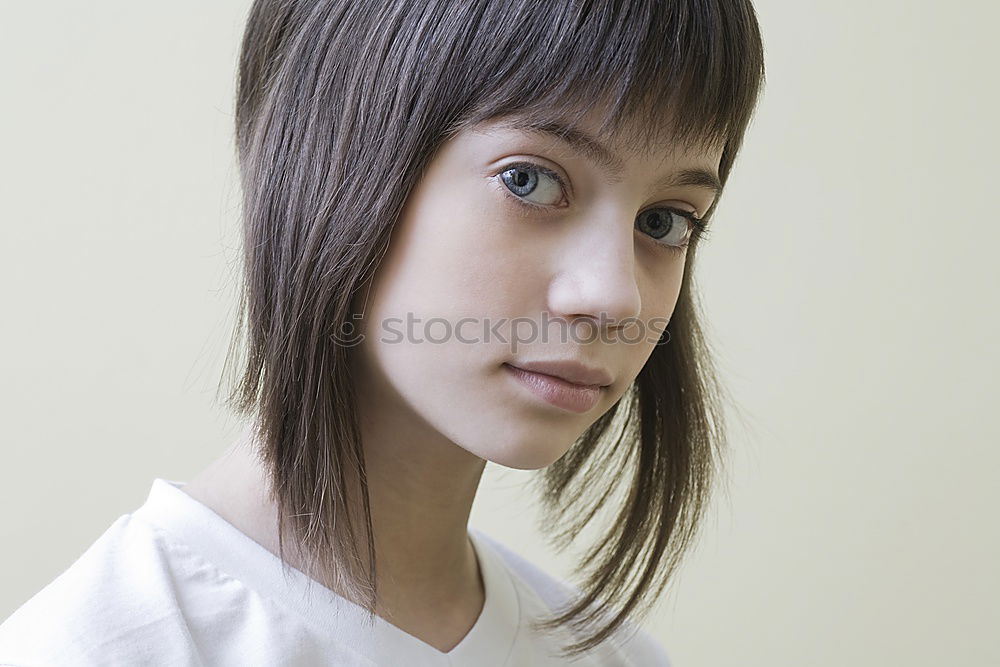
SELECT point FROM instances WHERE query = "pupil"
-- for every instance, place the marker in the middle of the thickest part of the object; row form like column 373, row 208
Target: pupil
column 521, row 178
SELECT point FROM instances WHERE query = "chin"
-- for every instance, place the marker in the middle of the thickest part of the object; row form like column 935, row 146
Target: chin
column 531, row 456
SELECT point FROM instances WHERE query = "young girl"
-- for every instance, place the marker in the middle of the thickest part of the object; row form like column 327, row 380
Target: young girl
column 469, row 232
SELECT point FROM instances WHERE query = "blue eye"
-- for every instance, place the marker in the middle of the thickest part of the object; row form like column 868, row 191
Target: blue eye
column 523, row 178
column 673, row 229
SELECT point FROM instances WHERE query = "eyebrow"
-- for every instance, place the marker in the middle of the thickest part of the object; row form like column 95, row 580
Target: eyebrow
column 589, row 146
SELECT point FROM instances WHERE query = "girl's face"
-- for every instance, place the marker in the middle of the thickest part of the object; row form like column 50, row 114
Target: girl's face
column 510, row 245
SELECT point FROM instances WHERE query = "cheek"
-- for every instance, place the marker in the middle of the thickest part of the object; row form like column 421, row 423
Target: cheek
column 430, row 376
column 449, row 259
column 664, row 289
column 660, row 280
column 452, row 256
column 659, row 288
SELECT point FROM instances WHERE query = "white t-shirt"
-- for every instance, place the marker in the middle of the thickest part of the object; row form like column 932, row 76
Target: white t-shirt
column 173, row 583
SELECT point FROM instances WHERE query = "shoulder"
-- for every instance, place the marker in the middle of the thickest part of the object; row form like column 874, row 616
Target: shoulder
column 140, row 595
column 640, row 647
column 111, row 605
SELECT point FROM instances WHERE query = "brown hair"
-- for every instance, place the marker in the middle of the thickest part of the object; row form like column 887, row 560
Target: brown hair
column 334, row 96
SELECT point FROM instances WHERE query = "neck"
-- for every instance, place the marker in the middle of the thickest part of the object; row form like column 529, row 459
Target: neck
column 420, row 513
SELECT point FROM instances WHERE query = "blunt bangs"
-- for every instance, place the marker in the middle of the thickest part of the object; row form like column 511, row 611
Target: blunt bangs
column 658, row 72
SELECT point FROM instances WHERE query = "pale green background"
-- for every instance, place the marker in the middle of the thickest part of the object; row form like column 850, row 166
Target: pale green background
column 850, row 285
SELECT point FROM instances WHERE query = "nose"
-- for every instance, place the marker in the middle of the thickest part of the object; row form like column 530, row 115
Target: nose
column 596, row 276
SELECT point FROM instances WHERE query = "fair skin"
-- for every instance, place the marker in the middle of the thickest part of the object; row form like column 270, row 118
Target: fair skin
column 432, row 414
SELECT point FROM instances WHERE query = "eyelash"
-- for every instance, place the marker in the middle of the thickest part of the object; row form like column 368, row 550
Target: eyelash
column 699, row 228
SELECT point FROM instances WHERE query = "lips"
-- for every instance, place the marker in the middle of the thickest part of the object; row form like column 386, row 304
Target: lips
column 557, row 391
column 573, row 372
